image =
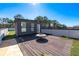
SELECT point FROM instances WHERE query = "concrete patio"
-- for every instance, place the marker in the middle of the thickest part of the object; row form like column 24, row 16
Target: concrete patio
column 10, row 48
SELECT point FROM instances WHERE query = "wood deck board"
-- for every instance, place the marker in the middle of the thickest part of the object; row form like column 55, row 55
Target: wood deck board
column 56, row 46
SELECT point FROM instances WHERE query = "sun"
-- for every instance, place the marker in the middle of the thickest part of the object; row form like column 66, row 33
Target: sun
column 34, row 4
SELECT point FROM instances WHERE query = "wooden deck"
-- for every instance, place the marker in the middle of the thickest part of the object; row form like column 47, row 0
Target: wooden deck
column 56, row 46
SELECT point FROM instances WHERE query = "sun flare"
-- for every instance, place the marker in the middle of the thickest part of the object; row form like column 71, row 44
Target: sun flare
column 34, row 4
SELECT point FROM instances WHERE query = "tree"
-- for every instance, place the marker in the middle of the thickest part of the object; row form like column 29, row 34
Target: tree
column 18, row 16
column 47, row 22
column 43, row 20
column 55, row 23
column 10, row 21
column 39, row 18
column 64, row 26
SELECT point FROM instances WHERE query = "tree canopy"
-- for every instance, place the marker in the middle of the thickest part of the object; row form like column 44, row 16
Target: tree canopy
column 18, row 16
column 46, row 21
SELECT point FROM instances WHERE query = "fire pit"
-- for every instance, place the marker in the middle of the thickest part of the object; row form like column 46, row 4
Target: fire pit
column 41, row 38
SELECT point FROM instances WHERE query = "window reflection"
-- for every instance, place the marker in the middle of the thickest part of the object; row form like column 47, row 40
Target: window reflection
column 23, row 26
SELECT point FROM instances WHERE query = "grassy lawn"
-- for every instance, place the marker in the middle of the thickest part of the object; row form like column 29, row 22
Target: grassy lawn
column 75, row 48
column 10, row 35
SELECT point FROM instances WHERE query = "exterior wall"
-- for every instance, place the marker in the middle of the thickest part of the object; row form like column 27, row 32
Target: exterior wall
column 3, row 32
column 17, row 28
column 69, row 33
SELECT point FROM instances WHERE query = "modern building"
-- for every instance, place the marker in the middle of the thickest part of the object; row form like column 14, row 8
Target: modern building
column 25, row 26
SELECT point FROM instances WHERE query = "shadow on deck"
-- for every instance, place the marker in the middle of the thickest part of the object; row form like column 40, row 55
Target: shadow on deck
column 18, row 40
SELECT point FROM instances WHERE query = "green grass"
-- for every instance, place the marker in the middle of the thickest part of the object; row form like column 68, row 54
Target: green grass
column 11, row 35
column 75, row 48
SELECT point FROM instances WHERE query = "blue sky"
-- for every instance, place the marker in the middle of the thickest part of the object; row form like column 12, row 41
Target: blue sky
column 65, row 13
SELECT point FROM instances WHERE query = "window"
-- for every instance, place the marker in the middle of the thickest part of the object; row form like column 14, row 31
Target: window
column 51, row 25
column 23, row 26
column 32, row 26
column 38, row 28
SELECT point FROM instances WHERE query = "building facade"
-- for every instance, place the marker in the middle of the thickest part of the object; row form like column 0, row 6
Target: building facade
column 25, row 26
